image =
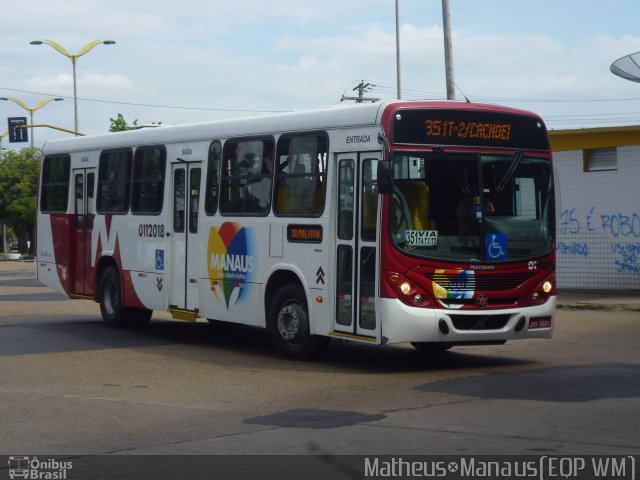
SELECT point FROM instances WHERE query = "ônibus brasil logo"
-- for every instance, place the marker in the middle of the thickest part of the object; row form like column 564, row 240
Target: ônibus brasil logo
column 451, row 285
column 230, row 262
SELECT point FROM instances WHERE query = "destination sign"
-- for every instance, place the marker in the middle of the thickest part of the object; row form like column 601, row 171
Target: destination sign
column 469, row 128
column 304, row 233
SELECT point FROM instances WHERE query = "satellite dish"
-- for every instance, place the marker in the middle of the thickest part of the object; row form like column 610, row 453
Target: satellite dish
column 627, row 67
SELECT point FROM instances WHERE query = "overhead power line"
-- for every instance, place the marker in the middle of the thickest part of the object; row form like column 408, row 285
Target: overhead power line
column 362, row 88
column 441, row 95
column 175, row 107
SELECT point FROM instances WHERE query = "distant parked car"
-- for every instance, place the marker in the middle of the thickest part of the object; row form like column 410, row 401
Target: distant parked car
column 14, row 248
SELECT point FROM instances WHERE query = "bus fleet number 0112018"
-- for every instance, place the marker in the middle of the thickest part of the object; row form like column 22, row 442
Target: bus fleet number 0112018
column 152, row 230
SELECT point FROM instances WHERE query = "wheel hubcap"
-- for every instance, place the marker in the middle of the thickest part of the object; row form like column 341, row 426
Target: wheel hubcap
column 289, row 322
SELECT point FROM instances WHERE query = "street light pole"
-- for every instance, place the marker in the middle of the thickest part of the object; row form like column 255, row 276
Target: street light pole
column 4, row 225
column 31, row 110
column 73, row 59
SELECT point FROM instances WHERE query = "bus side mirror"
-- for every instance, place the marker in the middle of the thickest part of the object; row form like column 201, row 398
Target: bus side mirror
column 384, row 177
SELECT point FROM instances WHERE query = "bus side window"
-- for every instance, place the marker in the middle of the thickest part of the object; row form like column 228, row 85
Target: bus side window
column 369, row 218
column 213, row 172
column 114, row 181
column 194, row 199
column 55, row 183
column 345, row 199
column 179, row 200
column 148, row 180
column 301, row 175
column 79, row 199
column 246, row 178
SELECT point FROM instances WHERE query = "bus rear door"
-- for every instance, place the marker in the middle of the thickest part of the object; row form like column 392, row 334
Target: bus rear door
column 356, row 246
column 84, row 187
column 184, row 239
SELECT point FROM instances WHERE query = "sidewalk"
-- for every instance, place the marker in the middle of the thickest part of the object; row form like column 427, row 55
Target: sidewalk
column 599, row 300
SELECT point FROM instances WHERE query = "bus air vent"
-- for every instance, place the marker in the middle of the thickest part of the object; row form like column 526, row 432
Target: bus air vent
column 479, row 322
column 481, row 282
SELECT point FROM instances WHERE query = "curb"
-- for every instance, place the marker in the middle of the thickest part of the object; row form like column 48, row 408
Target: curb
column 615, row 307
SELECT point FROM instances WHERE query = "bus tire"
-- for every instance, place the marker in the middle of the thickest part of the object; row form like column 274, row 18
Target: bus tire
column 114, row 314
column 288, row 325
column 431, row 348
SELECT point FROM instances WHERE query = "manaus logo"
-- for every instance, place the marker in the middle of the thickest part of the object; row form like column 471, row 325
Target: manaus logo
column 230, row 262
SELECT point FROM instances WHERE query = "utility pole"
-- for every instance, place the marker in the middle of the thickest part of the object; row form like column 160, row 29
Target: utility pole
column 448, row 50
column 361, row 88
column 4, row 225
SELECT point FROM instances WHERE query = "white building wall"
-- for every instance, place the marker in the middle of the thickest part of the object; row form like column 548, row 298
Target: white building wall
column 598, row 222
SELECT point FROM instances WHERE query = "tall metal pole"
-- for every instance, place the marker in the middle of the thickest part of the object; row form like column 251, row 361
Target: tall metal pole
column 31, row 119
column 75, row 95
column 398, row 50
column 448, row 50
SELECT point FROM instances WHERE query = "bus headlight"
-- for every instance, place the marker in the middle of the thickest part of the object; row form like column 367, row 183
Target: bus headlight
column 408, row 292
column 543, row 291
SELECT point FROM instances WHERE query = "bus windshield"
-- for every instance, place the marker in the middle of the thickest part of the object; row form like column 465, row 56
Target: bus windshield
column 466, row 207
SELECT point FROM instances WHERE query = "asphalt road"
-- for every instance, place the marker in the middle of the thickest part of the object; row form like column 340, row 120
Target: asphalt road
column 71, row 386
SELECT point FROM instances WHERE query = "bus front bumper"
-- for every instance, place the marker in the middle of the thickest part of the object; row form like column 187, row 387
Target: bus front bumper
column 402, row 323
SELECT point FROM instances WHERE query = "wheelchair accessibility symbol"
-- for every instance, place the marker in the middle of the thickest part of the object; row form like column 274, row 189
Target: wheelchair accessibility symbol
column 495, row 246
column 159, row 259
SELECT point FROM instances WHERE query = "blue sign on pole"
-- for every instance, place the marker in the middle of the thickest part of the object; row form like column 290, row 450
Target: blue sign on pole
column 17, row 133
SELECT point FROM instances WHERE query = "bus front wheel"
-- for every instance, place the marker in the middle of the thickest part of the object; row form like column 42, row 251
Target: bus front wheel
column 288, row 325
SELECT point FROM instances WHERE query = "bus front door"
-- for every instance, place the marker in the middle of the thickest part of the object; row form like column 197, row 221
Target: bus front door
column 357, row 258
column 184, row 239
column 84, row 185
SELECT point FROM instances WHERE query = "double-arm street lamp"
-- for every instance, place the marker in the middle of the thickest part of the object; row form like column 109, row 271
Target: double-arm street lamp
column 73, row 59
column 31, row 110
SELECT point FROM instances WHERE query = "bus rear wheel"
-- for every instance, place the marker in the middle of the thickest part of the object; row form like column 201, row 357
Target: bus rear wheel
column 288, row 325
column 114, row 314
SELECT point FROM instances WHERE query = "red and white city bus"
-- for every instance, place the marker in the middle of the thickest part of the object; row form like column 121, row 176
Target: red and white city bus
column 424, row 222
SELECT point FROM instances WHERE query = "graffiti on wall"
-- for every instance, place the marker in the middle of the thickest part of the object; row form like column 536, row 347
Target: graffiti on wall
column 627, row 257
column 620, row 229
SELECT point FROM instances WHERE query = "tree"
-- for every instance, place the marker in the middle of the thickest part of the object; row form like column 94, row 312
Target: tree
column 19, row 171
column 119, row 124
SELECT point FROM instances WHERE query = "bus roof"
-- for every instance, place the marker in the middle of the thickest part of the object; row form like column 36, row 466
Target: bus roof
column 339, row 116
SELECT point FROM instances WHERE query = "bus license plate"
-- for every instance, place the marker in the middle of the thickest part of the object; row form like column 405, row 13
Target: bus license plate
column 539, row 322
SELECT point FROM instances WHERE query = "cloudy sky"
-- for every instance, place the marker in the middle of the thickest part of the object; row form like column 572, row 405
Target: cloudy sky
column 192, row 60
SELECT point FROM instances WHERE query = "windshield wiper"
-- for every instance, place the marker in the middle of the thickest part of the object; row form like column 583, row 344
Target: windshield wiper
column 453, row 170
column 512, row 168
